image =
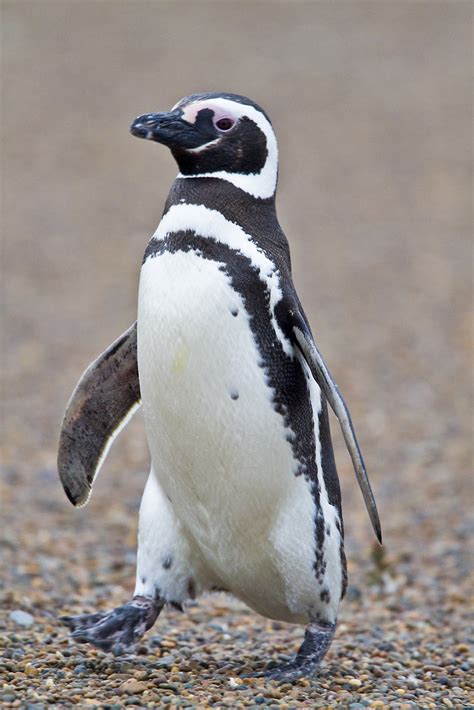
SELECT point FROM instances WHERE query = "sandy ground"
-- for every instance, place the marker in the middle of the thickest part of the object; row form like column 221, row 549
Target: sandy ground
column 371, row 104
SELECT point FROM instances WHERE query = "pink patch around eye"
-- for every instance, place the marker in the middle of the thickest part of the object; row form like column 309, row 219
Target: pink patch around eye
column 190, row 112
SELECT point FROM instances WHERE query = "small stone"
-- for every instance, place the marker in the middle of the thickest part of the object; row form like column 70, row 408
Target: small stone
column 158, row 679
column 169, row 686
column 22, row 618
column 355, row 682
column 168, row 644
column 132, row 686
column 30, row 670
column 166, row 661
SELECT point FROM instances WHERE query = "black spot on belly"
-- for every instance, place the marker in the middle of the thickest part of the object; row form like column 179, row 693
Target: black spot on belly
column 234, row 311
column 192, row 588
column 325, row 596
column 167, row 562
column 143, row 580
column 234, row 394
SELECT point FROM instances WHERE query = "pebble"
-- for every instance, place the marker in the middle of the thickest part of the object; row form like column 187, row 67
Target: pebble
column 132, row 686
column 166, row 661
column 22, row 618
column 132, row 701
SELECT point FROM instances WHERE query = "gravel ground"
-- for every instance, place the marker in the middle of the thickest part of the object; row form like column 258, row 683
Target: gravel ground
column 371, row 102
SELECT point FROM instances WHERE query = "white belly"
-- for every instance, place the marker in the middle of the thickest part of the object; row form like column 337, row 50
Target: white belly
column 219, row 448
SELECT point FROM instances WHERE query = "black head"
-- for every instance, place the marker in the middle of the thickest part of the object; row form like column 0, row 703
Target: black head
column 217, row 135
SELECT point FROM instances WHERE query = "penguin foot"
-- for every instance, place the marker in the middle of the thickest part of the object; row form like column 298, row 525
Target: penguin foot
column 317, row 639
column 118, row 630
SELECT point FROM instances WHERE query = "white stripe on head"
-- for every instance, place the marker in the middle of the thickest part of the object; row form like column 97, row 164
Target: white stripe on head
column 261, row 184
column 212, row 224
column 204, row 146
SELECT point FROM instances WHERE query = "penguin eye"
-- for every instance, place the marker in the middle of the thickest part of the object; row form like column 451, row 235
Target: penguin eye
column 225, row 124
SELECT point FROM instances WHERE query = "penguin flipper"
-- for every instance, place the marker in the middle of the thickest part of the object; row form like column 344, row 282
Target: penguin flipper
column 105, row 398
column 326, row 382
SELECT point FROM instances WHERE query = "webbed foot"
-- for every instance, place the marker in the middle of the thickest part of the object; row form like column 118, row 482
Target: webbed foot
column 118, row 630
column 317, row 639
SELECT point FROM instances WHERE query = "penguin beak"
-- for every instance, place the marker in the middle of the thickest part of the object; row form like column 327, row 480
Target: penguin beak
column 167, row 128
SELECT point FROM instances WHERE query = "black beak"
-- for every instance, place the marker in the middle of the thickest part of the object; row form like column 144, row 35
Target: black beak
column 172, row 130
column 158, row 126
column 167, row 128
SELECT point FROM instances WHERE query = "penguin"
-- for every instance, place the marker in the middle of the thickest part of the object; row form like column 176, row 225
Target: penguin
column 243, row 493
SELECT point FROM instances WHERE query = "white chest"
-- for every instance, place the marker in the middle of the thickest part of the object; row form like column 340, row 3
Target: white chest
column 204, row 392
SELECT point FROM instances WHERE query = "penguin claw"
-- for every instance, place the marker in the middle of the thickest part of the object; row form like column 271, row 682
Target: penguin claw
column 285, row 673
column 317, row 639
column 290, row 672
column 116, row 631
column 83, row 621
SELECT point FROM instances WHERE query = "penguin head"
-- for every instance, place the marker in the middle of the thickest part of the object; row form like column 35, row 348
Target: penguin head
column 225, row 136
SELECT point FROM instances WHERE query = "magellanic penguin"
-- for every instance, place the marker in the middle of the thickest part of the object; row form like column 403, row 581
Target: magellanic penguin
column 243, row 493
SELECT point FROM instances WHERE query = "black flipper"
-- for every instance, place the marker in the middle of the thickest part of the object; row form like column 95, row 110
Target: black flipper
column 105, row 398
column 323, row 377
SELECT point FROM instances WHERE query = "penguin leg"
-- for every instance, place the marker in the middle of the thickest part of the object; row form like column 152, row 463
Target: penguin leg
column 164, row 575
column 118, row 630
column 317, row 639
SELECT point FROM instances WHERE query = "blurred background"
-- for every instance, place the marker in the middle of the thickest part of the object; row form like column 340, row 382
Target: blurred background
column 371, row 103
